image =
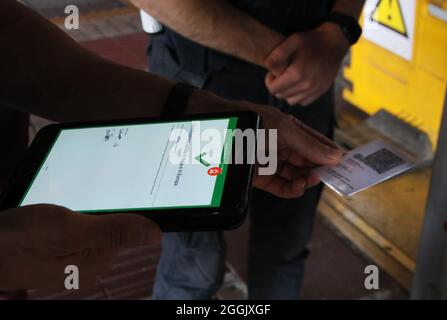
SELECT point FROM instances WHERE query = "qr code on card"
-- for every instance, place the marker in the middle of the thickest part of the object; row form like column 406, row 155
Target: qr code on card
column 381, row 161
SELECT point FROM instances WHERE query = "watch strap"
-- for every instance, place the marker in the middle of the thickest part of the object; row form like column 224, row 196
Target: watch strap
column 349, row 26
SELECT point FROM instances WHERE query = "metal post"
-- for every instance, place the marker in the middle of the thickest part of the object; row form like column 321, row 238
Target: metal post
column 430, row 279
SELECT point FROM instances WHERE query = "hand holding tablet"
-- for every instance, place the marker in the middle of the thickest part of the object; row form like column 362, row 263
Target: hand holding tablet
column 153, row 168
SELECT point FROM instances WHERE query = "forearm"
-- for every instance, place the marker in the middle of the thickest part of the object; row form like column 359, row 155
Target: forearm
column 45, row 72
column 216, row 24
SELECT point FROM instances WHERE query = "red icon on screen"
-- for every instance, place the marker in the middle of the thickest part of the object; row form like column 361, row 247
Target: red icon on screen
column 214, row 171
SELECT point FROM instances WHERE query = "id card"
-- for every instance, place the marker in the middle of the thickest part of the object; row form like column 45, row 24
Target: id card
column 364, row 167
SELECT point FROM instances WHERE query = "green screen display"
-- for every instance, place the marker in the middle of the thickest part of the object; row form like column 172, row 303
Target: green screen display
column 135, row 167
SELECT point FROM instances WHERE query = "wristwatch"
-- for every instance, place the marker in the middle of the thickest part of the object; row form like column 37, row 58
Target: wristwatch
column 349, row 26
column 177, row 100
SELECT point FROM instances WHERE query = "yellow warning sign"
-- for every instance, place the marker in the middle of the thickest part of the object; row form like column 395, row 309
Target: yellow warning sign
column 389, row 14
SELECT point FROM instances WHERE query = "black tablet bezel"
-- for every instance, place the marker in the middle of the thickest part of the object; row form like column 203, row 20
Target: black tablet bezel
column 234, row 203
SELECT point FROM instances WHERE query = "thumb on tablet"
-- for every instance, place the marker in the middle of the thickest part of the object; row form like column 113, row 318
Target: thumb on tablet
column 120, row 230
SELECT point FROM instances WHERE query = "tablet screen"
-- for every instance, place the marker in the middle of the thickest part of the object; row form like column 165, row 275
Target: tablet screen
column 135, row 167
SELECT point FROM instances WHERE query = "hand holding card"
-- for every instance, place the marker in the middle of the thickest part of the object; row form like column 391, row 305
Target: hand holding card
column 364, row 167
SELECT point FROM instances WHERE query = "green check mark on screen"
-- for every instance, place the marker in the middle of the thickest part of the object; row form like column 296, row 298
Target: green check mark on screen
column 199, row 158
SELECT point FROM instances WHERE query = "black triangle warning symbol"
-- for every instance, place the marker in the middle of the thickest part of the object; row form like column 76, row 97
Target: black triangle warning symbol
column 388, row 13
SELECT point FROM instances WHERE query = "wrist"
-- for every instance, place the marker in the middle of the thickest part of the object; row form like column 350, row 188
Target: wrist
column 348, row 25
column 258, row 42
column 270, row 42
column 333, row 33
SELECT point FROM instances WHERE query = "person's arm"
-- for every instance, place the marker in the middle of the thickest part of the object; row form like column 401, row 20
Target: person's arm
column 45, row 72
column 305, row 65
column 216, row 24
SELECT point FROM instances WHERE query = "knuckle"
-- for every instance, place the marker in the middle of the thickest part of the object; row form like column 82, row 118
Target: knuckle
column 295, row 37
column 296, row 71
column 277, row 57
column 123, row 228
column 308, row 84
column 59, row 212
column 291, row 101
column 300, row 193
column 269, row 84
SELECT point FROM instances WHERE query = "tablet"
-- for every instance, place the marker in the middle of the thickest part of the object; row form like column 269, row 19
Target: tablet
column 178, row 172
